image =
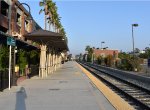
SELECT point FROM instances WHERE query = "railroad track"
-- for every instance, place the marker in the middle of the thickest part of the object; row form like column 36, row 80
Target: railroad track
column 137, row 96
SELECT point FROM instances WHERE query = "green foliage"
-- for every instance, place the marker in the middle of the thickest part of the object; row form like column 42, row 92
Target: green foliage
column 89, row 58
column 22, row 60
column 34, row 57
column 50, row 9
column 90, row 52
column 4, row 57
column 145, row 55
column 41, row 3
column 87, row 48
column 123, row 55
column 125, row 65
column 80, row 57
column 109, row 60
column 135, row 64
column 129, row 63
column 99, row 59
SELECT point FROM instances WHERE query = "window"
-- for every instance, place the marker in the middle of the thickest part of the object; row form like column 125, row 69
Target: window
column 18, row 19
column 26, row 25
column 4, row 8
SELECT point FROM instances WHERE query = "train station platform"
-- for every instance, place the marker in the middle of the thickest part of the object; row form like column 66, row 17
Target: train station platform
column 66, row 89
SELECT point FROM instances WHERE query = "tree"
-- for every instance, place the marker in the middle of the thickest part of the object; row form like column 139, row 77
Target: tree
column 34, row 57
column 145, row 55
column 80, row 57
column 22, row 60
column 53, row 14
column 43, row 3
column 87, row 48
column 147, row 51
column 137, row 50
column 90, row 53
column 99, row 59
column 128, row 62
column 4, row 57
column 109, row 60
column 50, row 10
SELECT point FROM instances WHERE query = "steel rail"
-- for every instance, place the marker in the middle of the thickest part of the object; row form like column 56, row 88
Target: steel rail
column 135, row 94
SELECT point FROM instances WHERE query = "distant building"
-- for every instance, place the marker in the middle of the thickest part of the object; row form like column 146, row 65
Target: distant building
column 142, row 51
column 106, row 52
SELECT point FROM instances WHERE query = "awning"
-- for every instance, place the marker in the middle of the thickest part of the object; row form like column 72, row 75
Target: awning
column 19, row 43
column 49, row 38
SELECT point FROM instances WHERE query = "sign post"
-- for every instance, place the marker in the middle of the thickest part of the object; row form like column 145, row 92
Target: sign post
column 11, row 42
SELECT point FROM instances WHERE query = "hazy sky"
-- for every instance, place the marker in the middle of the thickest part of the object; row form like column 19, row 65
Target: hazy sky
column 89, row 22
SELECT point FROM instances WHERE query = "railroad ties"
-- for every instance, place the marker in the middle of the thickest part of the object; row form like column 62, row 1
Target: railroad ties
column 136, row 95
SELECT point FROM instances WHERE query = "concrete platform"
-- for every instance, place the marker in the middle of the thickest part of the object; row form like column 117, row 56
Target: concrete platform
column 66, row 89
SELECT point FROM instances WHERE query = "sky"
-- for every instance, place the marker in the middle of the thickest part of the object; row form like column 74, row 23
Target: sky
column 89, row 22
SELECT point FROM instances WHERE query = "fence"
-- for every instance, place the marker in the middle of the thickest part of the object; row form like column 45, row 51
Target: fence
column 4, row 79
column 34, row 70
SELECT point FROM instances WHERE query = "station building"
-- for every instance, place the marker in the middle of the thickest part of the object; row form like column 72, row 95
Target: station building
column 106, row 52
column 15, row 23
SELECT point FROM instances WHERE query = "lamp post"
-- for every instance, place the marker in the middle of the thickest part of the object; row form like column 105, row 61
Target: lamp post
column 30, row 16
column 105, row 48
column 133, row 25
column 14, row 63
column 101, row 44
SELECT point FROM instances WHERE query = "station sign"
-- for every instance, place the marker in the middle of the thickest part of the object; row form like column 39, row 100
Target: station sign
column 11, row 41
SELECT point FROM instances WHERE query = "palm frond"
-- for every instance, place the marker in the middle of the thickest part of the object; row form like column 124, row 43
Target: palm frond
column 41, row 3
column 41, row 11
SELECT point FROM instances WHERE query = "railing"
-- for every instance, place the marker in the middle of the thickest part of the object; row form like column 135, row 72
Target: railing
column 4, row 76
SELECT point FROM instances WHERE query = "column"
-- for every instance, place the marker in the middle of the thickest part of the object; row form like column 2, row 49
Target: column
column 42, row 67
column 46, row 65
column 55, row 62
column 30, row 26
column 49, row 62
column 59, row 60
column 22, row 24
column 13, row 17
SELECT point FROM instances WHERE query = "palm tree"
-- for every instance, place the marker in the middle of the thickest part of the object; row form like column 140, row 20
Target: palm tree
column 87, row 48
column 42, row 3
column 50, row 10
column 53, row 11
column 49, row 20
column 90, row 52
column 45, row 4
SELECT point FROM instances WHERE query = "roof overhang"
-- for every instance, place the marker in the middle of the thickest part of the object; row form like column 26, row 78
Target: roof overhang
column 49, row 38
column 19, row 43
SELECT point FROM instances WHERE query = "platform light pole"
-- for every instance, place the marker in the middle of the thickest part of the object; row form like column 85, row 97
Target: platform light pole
column 30, row 16
column 12, row 42
column 105, row 48
column 101, row 44
column 9, row 31
column 133, row 25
